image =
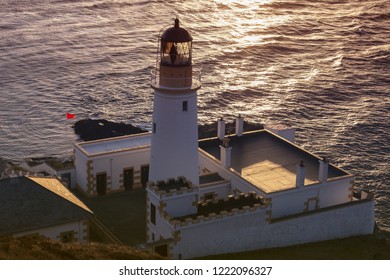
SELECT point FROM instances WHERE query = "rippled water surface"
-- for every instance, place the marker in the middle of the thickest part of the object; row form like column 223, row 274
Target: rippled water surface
column 319, row 66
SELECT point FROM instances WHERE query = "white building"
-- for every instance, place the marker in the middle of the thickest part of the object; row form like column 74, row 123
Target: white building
column 246, row 191
column 63, row 169
column 111, row 165
column 264, row 197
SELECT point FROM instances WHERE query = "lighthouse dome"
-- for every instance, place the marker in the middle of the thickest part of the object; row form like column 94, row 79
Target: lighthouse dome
column 176, row 34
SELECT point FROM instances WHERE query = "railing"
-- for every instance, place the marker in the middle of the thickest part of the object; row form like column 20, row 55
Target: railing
column 103, row 233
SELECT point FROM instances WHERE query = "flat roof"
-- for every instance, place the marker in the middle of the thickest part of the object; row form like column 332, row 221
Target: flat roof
column 115, row 144
column 269, row 161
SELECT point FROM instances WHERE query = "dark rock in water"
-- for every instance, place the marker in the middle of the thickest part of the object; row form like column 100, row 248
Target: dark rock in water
column 88, row 129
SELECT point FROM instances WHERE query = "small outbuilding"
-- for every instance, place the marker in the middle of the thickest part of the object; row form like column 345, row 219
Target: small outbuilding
column 42, row 206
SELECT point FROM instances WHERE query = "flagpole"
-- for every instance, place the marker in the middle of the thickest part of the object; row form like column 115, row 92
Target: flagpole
column 67, row 136
column 69, row 117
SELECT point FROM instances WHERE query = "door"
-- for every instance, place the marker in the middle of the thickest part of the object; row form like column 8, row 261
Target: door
column 312, row 205
column 101, row 183
column 144, row 175
column 128, row 178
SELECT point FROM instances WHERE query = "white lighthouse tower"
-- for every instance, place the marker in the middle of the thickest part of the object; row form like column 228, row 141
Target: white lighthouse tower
column 174, row 150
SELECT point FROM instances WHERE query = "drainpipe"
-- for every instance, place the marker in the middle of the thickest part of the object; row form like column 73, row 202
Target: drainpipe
column 112, row 179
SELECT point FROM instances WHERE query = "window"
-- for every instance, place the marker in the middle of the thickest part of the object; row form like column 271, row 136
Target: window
column 67, row 236
column 185, row 106
column 154, row 127
column 152, row 214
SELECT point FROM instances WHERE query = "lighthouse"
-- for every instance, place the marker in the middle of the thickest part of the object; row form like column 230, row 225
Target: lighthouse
column 174, row 144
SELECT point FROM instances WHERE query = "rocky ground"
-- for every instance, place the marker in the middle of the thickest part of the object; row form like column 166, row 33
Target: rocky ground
column 41, row 248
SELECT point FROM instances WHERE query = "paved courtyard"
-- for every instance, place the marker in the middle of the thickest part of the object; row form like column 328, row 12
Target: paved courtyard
column 124, row 214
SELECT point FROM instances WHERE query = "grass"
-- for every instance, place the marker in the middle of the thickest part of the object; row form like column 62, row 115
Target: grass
column 41, row 248
column 367, row 247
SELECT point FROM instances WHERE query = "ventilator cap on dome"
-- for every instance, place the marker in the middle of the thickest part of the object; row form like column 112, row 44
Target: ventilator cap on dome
column 176, row 34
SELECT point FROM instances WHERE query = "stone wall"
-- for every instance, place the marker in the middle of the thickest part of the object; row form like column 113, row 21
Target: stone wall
column 252, row 230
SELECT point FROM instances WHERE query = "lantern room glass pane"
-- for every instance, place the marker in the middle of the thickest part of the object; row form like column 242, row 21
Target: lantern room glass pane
column 176, row 53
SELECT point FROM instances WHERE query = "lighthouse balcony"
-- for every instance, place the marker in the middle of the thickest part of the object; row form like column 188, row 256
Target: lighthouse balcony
column 175, row 81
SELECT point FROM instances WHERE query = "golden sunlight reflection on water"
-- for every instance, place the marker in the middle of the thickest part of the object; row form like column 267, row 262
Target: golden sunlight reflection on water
column 319, row 66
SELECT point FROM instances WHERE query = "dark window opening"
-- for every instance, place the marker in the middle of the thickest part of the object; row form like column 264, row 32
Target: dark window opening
column 185, row 106
column 154, row 127
column 152, row 214
column 67, row 236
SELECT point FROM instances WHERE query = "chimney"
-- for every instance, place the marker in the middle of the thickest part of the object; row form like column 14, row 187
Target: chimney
column 323, row 170
column 221, row 129
column 239, row 125
column 226, row 153
column 300, row 181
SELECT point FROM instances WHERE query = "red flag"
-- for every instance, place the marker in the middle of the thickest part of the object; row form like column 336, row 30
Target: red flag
column 70, row 116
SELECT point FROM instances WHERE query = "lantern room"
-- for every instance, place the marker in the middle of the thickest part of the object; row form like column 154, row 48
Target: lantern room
column 174, row 60
column 176, row 44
